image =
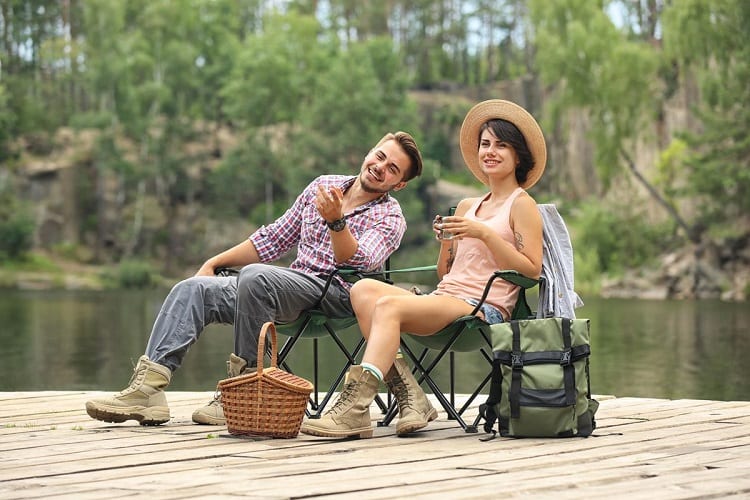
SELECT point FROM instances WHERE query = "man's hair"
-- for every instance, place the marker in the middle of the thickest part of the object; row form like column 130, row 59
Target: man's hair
column 409, row 145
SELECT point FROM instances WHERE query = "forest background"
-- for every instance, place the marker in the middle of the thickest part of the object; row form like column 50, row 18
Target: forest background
column 139, row 137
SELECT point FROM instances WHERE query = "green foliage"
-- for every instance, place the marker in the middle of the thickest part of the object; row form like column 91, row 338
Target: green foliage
column 359, row 97
column 588, row 272
column 610, row 239
column 6, row 123
column 274, row 76
column 162, row 78
column 135, row 274
column 669, row 169
column 239, row 184
column 93, row 119
column 595, row 67
column 711, row 40
column 34, row 262
column 17, row 226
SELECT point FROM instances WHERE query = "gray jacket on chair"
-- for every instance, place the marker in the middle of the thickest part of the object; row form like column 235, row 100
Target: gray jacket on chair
column 557, row 298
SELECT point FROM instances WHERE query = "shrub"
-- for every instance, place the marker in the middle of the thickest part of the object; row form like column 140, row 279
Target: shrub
column 135, row 274
column 17, row 228
column 621, row 236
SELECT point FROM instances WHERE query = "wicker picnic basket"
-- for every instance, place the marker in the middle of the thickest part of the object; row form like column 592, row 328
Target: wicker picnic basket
column 266, row 402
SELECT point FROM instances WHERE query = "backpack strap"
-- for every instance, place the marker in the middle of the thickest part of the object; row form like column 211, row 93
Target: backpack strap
column 488, row 410
column 516, row 364
column 569, row 375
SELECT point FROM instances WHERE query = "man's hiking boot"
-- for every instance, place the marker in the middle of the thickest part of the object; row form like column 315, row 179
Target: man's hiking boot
column 213, row 412
column 350, row 416
column 143, row 400
column 415, row 410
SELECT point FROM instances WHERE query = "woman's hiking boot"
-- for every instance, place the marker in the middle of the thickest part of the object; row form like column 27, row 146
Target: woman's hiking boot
column 213, row 412
column 143, row 400
column 415, row 410
column 350, row 415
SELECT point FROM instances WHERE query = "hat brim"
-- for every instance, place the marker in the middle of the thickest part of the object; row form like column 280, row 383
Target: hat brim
column 522, row 119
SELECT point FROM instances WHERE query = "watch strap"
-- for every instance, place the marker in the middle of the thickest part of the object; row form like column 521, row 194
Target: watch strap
column 337, row 225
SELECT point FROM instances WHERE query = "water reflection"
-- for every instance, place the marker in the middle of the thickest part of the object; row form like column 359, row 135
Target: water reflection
column 673, row 349
column 90, row 340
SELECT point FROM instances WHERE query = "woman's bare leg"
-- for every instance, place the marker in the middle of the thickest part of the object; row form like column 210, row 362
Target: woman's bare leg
column 390, row 315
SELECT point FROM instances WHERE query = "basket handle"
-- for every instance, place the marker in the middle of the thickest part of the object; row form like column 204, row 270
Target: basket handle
column 268, row 326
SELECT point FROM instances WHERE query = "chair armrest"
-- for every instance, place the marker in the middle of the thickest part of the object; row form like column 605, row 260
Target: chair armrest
column 226, row 271
column 351, row 275
column 508, row 275
column 517, row 278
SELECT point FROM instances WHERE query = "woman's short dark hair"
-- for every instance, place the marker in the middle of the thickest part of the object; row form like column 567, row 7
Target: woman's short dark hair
column 506, row 131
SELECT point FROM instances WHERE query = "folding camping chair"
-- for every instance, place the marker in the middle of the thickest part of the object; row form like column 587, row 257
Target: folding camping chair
column 470, row 333
column 466, row 334
column 314, row 324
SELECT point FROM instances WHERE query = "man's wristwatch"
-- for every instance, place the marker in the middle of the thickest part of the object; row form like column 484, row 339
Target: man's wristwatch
column 337, row 225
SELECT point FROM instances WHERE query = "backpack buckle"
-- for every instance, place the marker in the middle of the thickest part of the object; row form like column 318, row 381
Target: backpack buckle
column 516, row 360
column 566, row 358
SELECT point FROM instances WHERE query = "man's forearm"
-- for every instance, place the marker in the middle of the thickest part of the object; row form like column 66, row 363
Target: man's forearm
column 239, row 255
column 344, row 245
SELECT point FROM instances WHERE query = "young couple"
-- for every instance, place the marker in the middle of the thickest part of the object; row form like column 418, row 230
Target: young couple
column 353, row 221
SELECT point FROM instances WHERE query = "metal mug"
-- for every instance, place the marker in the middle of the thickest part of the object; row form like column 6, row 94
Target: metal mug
column 445, row 235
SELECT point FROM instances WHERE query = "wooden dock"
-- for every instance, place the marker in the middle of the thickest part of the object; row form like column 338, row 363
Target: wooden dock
column 642, row 448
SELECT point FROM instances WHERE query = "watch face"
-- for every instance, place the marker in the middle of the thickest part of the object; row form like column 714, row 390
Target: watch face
column 337, row 225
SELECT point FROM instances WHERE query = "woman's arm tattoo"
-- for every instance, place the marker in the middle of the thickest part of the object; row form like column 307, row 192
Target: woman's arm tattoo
column 519, row 241
column 451, row 257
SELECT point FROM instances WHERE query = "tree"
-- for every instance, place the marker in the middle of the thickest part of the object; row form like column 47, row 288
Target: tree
column 594, row 67
column 710, row 43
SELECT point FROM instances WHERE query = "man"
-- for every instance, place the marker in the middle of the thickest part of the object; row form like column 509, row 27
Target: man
column 337, row 220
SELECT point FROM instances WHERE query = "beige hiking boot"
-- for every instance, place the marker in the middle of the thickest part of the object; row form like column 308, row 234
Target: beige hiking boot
column 350, row 416
column 213, row 412
column 143, row 400
column 415, row 410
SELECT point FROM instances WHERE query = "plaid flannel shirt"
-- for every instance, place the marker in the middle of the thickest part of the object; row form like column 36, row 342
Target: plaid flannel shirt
column 378, row 227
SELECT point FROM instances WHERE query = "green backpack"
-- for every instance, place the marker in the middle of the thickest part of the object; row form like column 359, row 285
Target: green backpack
column 540, row 379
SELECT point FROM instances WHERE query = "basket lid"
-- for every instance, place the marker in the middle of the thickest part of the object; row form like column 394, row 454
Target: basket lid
column 271, row 375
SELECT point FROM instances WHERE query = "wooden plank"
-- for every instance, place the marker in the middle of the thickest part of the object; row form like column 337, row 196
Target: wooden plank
column 660, row 443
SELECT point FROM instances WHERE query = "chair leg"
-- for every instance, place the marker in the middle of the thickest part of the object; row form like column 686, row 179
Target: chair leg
column 452, row 359
column 281, row 361
column 315, row 373
column 479, row 388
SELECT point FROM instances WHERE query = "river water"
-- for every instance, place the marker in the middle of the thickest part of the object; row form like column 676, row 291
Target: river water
column 67, row 340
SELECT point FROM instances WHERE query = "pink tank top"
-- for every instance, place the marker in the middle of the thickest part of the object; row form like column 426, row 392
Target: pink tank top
column 474, row 263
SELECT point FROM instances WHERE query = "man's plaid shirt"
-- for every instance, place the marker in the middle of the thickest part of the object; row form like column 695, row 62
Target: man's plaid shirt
column 378, row 227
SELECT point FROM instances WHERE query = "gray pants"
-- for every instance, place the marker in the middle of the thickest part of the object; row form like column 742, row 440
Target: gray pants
column 259, row 294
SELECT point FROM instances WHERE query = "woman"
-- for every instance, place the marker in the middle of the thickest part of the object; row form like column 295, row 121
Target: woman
column 504, row 148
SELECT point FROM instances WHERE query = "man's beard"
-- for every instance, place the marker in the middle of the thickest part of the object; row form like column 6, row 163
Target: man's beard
column 369, row 189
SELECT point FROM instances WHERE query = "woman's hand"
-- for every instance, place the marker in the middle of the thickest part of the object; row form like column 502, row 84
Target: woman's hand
column 458, row 227
column 437, row 228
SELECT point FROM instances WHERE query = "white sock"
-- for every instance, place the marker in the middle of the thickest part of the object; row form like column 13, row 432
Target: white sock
column 374, row 370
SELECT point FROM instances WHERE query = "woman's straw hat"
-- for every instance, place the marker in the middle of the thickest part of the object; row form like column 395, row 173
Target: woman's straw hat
column 522, row 119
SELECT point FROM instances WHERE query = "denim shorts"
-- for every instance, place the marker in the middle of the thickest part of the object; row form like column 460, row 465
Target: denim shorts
column 492, row 314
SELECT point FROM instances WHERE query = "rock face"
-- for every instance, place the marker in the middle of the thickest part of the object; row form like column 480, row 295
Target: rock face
column 707, row 271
